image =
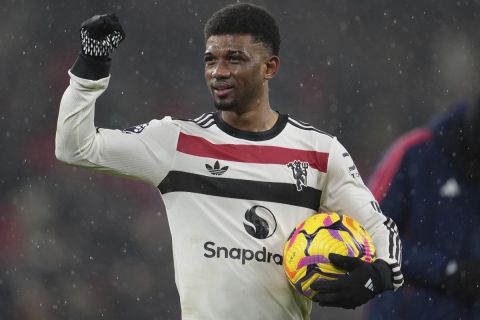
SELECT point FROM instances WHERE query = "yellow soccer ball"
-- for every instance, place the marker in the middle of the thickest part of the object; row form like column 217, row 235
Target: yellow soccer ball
column 305, row 256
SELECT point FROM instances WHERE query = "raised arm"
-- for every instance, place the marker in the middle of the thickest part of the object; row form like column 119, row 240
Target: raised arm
column 144, row 154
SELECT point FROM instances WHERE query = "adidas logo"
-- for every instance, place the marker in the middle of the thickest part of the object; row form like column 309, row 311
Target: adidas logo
column 216, row 170
column 369, row 284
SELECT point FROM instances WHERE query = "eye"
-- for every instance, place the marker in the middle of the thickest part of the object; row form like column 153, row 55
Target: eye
column 235, row 58
column 208, row 60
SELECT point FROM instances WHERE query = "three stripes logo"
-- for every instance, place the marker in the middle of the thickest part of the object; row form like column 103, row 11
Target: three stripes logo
column 216, row 170
column 376, row 206
column 369, row 285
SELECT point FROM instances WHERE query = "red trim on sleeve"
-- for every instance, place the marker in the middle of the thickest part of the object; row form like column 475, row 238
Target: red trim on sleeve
column 201, row 147
column 383, row 175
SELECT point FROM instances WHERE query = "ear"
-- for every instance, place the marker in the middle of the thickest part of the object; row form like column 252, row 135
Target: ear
column 273, row 64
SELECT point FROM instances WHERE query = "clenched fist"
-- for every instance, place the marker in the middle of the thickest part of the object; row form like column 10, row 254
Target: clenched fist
column 100, row 35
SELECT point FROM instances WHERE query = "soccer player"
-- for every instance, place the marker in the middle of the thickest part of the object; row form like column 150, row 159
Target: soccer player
column 234, row 181
column 429, row 182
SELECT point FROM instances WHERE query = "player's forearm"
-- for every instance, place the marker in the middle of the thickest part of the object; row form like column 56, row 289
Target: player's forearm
column 75, row 127
column 389, row 248
column 90, row 68
column 348, row 194
column 75, row 141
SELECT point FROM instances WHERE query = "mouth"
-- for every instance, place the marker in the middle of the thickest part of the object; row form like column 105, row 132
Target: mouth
column 222, row 90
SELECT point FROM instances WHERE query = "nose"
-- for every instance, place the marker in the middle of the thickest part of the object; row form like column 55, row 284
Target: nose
column 221, row 70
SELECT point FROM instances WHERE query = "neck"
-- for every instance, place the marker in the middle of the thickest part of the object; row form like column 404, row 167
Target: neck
column 256, row 120
column 255, row 116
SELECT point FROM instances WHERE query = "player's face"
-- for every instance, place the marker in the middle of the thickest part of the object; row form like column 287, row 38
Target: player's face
column 235, row 68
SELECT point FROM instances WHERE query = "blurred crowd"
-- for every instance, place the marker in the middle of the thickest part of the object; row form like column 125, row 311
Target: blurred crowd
column 79, row 245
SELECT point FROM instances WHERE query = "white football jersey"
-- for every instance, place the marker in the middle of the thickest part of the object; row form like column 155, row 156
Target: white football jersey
column 232, row 198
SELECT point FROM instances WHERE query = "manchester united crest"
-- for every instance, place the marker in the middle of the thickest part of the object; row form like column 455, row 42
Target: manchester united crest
column 299, row 172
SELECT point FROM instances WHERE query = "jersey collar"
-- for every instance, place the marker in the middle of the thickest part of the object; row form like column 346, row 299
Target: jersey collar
column 248, row 135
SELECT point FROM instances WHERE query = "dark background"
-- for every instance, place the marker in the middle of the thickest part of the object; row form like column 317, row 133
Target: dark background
column 78, row 245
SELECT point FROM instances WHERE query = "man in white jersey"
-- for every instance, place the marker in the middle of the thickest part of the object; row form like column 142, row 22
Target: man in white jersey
column 235, row 181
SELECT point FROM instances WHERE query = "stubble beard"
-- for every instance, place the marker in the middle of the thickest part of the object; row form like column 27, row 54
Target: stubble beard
column 226, row 106
column 238, row 104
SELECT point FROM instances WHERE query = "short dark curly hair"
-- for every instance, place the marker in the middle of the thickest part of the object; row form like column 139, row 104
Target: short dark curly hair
column 245, row 18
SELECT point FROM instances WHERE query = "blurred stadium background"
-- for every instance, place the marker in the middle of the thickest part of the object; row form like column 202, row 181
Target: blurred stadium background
column 80, row 245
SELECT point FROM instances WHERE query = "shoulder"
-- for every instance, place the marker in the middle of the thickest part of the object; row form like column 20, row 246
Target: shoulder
column 305, row 127
column 205, row 120
column 171, row 124
column 310, row 137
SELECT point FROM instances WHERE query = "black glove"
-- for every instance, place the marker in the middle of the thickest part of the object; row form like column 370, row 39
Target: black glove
column 362, row 282
column 462, row 279
column 101, row 34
